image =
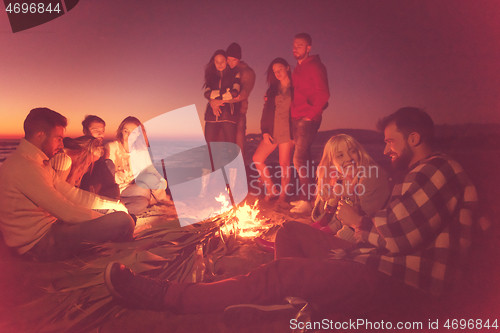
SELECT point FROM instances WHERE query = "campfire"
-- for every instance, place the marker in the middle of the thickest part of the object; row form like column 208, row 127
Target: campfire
column 242, row 220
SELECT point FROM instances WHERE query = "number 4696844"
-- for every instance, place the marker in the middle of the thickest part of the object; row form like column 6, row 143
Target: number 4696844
column 32, row 8
column 470, row 324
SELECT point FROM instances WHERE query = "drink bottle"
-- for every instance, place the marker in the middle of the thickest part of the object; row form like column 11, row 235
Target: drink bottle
column 198, row 271
column 330, row 208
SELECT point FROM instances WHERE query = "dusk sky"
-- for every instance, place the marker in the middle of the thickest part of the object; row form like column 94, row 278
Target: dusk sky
column 144, row 58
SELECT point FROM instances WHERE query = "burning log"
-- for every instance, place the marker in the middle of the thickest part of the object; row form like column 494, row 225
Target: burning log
column 242, row 220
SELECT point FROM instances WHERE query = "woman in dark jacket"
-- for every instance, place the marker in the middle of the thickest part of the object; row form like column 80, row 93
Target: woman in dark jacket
column 223, row 83
column 275, row 126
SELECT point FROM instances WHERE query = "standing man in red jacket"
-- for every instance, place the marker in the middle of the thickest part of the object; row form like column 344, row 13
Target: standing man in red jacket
column 310, row 98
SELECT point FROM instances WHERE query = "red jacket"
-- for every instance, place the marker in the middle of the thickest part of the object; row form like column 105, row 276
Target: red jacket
column 310, row 88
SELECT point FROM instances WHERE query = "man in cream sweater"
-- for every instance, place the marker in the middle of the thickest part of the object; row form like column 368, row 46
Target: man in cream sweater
column 42, row 216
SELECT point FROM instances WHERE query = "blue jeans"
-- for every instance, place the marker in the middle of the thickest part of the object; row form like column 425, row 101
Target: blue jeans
column 303, row 132
column 65, row 240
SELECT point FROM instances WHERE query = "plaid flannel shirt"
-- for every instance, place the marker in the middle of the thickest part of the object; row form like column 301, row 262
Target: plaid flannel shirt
column 422, row 236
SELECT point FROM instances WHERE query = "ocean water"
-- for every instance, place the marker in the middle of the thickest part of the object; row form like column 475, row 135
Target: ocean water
column 191, row 154
column 7, row 146
column 178, row 155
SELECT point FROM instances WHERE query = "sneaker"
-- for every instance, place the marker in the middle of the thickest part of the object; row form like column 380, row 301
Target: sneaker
column 304, row 207
column 245, row 314
column 134, row 290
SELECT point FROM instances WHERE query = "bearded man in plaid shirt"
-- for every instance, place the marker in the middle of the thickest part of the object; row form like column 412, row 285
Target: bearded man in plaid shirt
column 413, row 248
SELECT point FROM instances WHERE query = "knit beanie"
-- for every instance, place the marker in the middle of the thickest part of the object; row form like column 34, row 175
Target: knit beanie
column 234, row 50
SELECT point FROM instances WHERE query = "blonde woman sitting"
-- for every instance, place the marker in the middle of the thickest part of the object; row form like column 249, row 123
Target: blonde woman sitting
column 347, row 172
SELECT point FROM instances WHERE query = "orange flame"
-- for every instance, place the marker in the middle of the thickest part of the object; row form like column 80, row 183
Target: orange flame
column 225, row 205
column 243, row 220
column 247, row 222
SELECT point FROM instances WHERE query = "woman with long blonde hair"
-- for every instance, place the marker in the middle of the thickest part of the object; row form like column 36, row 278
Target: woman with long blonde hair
column 346, row 172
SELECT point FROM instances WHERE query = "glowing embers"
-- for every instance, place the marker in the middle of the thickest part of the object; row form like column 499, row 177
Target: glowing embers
column 243, row 220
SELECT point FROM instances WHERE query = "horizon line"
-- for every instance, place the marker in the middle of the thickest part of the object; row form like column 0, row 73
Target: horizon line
column 111, row 138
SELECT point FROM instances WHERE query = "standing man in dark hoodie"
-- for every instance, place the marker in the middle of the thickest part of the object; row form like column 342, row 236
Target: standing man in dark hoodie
column 247, row 75
column 310, row 98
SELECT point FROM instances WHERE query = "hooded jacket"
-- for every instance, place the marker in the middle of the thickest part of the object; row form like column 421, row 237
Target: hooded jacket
column 311, row 91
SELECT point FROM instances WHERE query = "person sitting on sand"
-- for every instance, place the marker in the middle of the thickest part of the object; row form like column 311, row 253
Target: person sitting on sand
column 275, row 125
column 41, row 215
column 77, row 157
column 413, row 248
column 100, row 179
column 139, row 182
column 94, row 126
column 346, row 172
column 82, row 163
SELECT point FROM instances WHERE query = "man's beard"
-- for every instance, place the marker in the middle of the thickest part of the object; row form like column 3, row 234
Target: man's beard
column 402, row 162
column 300, row 57
column 46, row 149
